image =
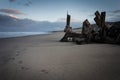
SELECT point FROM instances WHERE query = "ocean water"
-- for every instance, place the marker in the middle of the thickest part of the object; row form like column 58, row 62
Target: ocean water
column 19, row 34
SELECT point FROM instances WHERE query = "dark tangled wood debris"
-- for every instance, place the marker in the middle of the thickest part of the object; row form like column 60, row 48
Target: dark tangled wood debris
column 102, row 33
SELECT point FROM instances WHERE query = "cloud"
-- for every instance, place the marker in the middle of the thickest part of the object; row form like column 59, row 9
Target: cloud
column 116, row 11
column 8, row 23
column 92, row 15
column 26, row 3
column 61, row 19
column 64, row 19
column 113, row 15
column 11, row 11
column 22, row 2
column 11, row 0
column 12, row 16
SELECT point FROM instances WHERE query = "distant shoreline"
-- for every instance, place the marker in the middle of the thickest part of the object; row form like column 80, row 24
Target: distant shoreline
column 20, row 34
column 4, row 35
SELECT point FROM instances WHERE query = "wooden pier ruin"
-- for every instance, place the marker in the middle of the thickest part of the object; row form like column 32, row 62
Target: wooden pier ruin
column 67, row 27
column 103, row 34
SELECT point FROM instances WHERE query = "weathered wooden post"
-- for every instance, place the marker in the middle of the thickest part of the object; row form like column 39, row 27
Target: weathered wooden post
column 100, row 21
column 97, row 18
column 86, row 27
column 87, row 31
column 67, row 27
column 69, row 34
column 103, row 30
column 68, row 20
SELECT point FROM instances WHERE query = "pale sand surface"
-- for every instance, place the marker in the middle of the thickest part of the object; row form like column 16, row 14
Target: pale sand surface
column 43, row 57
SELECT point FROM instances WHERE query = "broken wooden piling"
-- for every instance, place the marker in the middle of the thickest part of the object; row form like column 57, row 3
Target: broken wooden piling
column 67, row 27
column 104, row 33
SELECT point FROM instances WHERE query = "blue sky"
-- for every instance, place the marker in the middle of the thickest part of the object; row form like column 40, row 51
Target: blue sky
column 55, row 10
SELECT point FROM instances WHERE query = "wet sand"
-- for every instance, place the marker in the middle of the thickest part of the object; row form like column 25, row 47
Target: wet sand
column 43, row 57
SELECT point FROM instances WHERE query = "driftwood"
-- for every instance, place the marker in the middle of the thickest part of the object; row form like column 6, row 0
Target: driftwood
column 100, row 21
column 105, row 34
column 67, row 27
column 85, row 36
column 70, row 36
column 113, row 33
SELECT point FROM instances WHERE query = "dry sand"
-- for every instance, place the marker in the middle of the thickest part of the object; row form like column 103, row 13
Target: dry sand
column 43, row 57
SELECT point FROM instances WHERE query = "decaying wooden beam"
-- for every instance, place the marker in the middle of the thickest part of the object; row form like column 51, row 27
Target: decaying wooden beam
column 103, row 33
column 97, row 18
column 100, row 21
column 68, row 20
column 67, row 27
column 103, row 30
column 85, row 36
column 103, row 14
column 69, row 34
column 71, row 37
column 86, row 28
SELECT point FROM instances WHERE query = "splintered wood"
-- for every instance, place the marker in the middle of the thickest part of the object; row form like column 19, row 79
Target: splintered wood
column 103, row 34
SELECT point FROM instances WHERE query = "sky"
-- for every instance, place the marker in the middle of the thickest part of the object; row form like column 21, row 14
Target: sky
column 56, row 10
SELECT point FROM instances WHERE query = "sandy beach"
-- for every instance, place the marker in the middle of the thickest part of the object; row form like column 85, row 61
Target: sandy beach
column 43, row 57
